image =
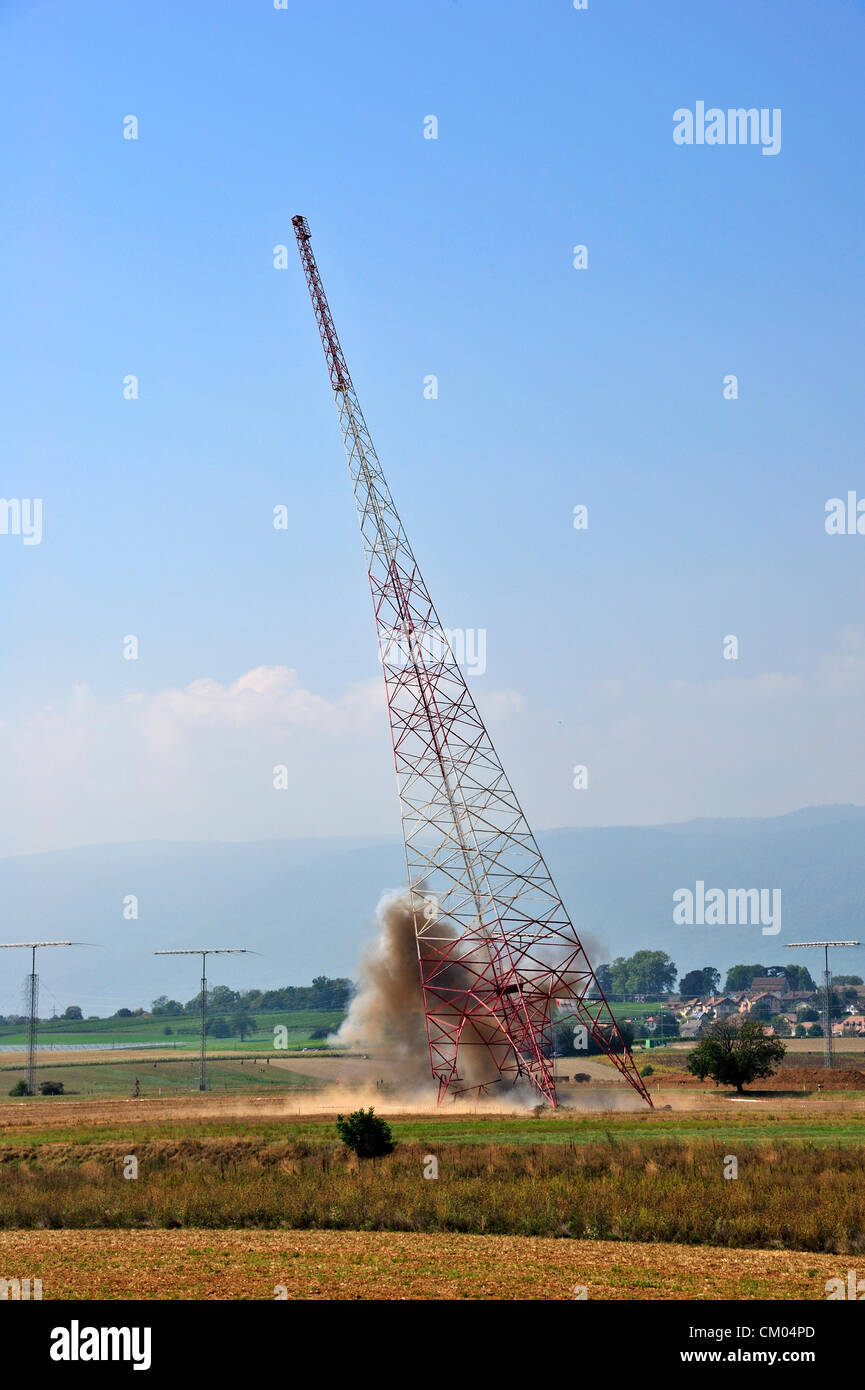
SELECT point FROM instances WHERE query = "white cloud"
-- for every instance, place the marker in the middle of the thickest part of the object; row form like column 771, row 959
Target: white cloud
column 266, row 697
column 500, row 704
column 197, row 762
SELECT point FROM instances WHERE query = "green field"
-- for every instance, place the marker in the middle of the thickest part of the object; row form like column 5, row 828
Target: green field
column 165, row 1078
column 834, row 1128
column 184, row 1031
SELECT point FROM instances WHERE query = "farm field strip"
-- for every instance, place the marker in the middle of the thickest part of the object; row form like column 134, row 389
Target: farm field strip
column 70, row 1120
column 256, row 1264
column 801, row 1197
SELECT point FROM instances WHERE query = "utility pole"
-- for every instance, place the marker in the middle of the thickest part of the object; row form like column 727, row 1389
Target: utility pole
column 33, row 999
column 827, row 988
column 208, row 951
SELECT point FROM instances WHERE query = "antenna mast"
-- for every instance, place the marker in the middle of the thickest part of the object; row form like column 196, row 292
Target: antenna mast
column 496, row 948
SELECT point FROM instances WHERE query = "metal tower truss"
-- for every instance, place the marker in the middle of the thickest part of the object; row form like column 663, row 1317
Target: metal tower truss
column 496, row 947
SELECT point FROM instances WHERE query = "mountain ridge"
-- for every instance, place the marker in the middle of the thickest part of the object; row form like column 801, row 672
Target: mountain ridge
column 307, row 905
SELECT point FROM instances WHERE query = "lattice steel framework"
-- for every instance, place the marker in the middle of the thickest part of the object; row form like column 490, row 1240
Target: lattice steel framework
column 32, row 991
column 496, row 947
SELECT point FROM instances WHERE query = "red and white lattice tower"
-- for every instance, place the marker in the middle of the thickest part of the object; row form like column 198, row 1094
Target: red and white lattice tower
column 496, row 947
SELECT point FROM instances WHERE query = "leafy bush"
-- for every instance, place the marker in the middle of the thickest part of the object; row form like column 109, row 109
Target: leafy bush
column 51, row 1088
column 19, row 1089
column 365, row 1133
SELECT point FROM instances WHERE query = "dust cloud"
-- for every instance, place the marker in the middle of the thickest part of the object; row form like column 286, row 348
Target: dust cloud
column 387, row 1013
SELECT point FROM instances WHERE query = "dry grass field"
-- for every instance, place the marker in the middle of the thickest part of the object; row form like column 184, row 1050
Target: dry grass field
column 789, row 1196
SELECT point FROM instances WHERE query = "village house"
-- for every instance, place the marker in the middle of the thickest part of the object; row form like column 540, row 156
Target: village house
column 770, row 984
column 722, row 1005
column 694, row 1028
column 751, row 1001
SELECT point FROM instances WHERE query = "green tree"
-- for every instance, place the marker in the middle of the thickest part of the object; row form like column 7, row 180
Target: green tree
column 329, row 994
column 699, row 982
column 163, row 1007
column 221, row 997
column 798, row 976
column 365, row 1133
column 19, row 1089
column 242, row 1023
column 734, row 1053
column 73, row 1013
column 563, row 1039
column 217, row 1028
column 739, row 977
column 645, row 972
column 604, row 979
column 51, row 1088
column 847, row 979
column 594, row 1048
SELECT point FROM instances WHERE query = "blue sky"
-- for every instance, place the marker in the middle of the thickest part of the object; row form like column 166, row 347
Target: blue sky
column 556, row 387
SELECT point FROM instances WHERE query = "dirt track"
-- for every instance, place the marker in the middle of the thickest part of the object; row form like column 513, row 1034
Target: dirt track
column 380, row 1265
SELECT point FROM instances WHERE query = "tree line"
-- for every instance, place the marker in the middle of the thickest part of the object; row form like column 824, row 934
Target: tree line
column 323, row 994
column 653, row 974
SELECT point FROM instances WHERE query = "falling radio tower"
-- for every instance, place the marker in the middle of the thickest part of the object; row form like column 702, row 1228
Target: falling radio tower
column 496, row 947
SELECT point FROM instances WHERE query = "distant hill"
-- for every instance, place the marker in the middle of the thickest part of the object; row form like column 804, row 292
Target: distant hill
column 307, row 905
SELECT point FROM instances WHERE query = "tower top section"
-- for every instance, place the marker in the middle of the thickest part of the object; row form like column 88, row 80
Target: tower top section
column 339, row 377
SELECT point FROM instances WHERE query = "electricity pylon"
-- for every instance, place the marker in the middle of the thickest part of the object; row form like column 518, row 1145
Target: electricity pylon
column 496, row 947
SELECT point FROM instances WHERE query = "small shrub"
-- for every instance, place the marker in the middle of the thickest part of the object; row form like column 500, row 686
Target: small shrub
column 365, row 1134
column 648, row 1071
column 19, row 1089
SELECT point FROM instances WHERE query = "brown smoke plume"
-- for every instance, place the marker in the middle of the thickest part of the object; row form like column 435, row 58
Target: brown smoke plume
column 387, row 1013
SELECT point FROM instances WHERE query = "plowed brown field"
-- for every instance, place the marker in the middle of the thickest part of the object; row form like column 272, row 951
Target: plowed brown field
column 381, row 1265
